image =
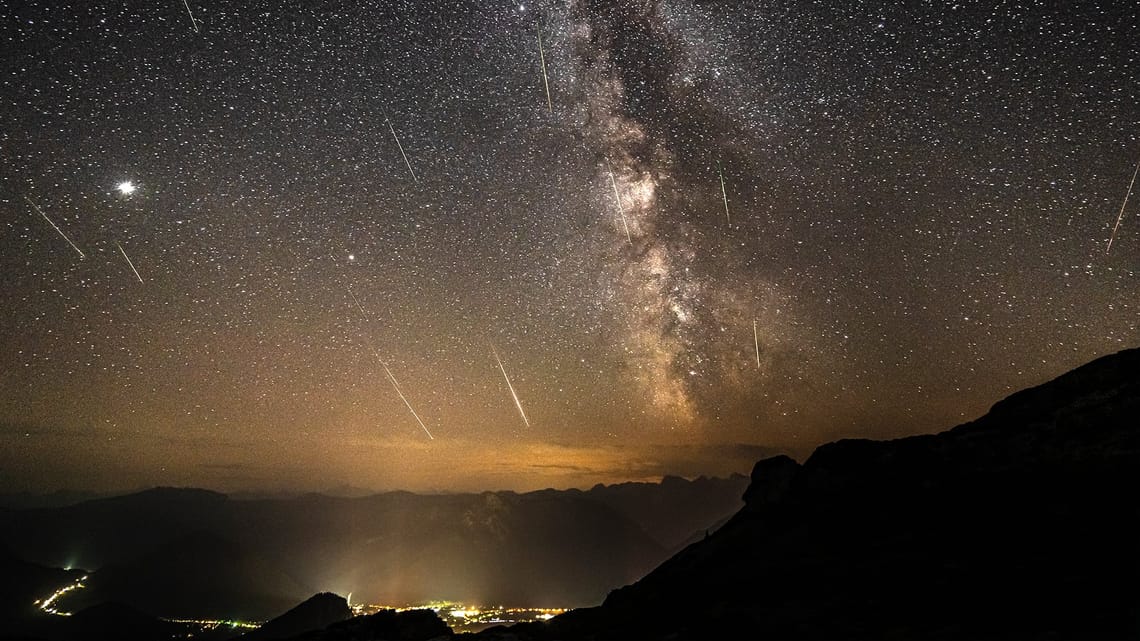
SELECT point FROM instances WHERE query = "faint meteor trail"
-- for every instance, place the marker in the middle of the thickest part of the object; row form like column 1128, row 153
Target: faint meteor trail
column 510, row 387
column 402, row 397
column 756, row 341
column 723, row 193
column 128, row 259
column 545, row 80
column 621, row 208
column 193, row 21
column 358, row 305
column 397, row 138
column 1120, row 216
column 53, row 226
column 391, row 377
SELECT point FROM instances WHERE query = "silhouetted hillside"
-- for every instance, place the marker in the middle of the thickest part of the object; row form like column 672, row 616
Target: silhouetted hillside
column 385, row 625
column 317, row 613
column 22, row 585
column 22, row 582
column 199, row 576
column 675, row 510
column 58, row 498
column 1021, row 524
column 119, row 622
column 95, row 533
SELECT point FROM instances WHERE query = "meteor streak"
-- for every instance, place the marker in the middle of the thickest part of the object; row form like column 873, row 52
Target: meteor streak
column 621, row 208
column 510, row 387
column 192, row 20
column 545, row 80
column 397, row 138
column 1120, row 216
column 723, row 193
column 402, row 397
column 756, row 341
column 391, row 377
column 358, row 305
column 128, row 259
column 53, row 226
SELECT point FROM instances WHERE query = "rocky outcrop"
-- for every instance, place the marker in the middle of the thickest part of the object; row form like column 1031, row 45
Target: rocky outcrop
column 317, row 613
column 771, row 481
column 385, row 625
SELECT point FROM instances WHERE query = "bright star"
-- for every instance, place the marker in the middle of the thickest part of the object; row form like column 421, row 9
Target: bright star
column 126, row 188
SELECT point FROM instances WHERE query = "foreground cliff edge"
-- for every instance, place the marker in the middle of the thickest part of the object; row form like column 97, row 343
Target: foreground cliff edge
column 1021, row 524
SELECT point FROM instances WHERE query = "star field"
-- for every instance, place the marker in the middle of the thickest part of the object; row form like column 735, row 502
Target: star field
column 734, row 229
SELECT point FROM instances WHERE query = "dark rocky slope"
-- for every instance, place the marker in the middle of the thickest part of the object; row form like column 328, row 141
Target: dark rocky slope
column 385, row 625
column 1021, row 524
column 317, row 613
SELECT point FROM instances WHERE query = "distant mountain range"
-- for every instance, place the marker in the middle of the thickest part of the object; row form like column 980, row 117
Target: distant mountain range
column 59, row 498
column 187, row 553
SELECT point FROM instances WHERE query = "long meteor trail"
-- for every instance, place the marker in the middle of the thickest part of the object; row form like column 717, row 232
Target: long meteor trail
column 756, row 341
column 358, row 305
column 53, row 226
column 545, row 80
column 391, row 377
column 724, row 193
column 191, row 13
column 406, row 162
column 509, row 386
column 396, row 385
column 1120, row 216
column 621, row 208
column 128, row 259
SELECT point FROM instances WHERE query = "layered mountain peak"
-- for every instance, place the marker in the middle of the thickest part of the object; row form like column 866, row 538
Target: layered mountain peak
column 316, row 613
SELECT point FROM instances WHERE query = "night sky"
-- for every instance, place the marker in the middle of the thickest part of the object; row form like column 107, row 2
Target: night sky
column 733, row 229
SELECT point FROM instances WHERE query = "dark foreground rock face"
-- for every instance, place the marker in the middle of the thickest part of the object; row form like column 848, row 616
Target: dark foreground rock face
column 1021, row 524
column 114, row 621
column 318, row 612
column 385, row 625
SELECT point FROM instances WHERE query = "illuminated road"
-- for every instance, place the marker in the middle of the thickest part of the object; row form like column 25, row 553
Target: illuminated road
column 48, row 605
column 461, row 618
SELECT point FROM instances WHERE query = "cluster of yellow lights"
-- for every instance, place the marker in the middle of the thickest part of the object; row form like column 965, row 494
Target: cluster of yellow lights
column 462, row 611
column 48, row 604
column 498, row 614
column 213, row 624
column 462, row 615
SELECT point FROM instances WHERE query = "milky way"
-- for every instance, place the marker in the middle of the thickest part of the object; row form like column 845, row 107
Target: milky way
column 678, row 319
column 692, row 232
